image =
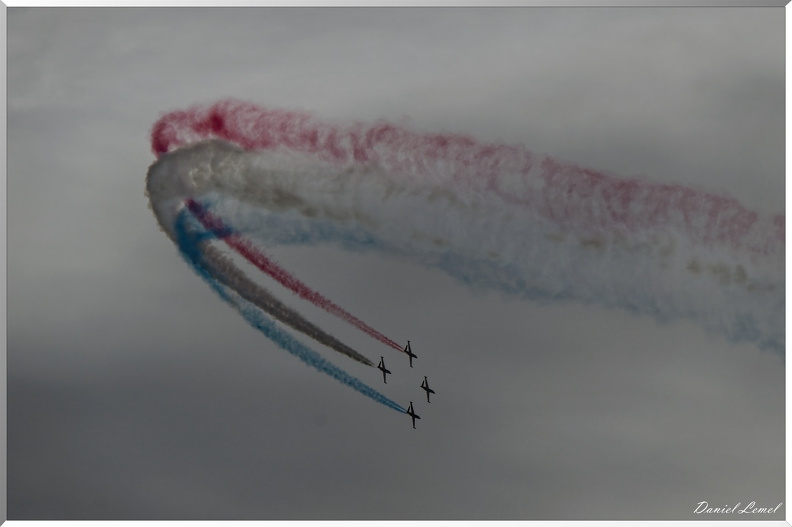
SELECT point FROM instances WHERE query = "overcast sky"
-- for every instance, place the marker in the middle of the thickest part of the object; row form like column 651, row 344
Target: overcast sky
column 135, row 393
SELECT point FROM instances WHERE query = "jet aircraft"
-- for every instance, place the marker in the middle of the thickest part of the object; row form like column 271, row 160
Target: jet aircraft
column 384, row 370
column 425, row 386
column 409, row 352
column 412, row 414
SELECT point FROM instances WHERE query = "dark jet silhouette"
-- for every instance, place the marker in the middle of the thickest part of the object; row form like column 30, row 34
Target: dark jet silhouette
column 412, row 414
column 425, row 386
column 384, row 370
column 409, row 352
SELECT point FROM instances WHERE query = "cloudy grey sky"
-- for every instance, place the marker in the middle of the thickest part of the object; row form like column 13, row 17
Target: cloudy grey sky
column 135, row 393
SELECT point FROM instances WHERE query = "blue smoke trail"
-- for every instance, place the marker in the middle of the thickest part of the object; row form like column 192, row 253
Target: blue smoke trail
column 188, row 243
column 290, row 228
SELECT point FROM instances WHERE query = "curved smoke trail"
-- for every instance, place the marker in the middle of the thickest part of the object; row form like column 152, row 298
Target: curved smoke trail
column 205, row 263
column 493, row 216
column 265, row 264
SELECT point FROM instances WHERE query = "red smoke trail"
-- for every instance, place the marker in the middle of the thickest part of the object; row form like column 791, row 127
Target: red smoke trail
column 572, row 197
column 262, row 262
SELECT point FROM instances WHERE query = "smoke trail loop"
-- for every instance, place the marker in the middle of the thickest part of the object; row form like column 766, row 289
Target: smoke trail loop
column 491, row 216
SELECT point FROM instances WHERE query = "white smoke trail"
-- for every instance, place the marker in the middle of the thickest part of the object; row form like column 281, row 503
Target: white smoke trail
column 436, row 217
column 167, row 188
